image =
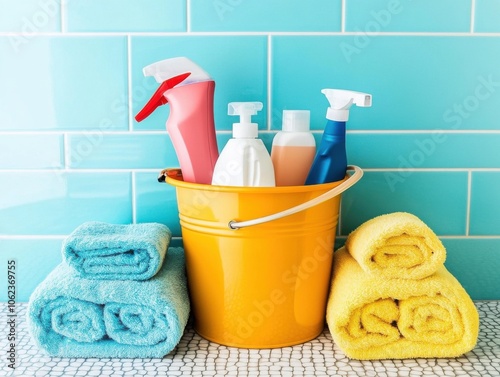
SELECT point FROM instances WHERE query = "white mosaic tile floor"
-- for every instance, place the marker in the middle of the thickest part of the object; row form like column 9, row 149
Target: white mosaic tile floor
column 196, row 356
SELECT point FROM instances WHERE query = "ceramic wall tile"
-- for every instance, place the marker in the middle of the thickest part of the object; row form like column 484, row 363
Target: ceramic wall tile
column 486, row 16
column 56, row 202
column 425, row 194
column 31, row 151
column 413, row 86
column 64, row 83
column 408, row 16
column 262, row 15
column 126, row 16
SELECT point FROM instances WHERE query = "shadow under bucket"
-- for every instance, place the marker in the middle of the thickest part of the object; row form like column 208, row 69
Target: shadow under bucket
column 259, row 259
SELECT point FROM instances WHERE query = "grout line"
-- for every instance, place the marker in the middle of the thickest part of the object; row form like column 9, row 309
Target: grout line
column 129, row 78
column 134, row 201
column 473, row 16
column 342, row 20
column 255, row 33
column 269, row 83
column 440, row 131
column 161, row 132
column 85, row 132
column 151, row 170
column 62, row 153
column 67, row 153
column 469, row 194
column 32, row 236
column 83, row 170
column 155, row 170
column 380, row 170
column 188, row 16
column 492, row 237
column 459, row 237
column 64, row 21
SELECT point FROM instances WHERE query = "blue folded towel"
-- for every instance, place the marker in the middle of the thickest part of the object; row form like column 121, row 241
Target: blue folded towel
column 98, row 250
column 69, row 316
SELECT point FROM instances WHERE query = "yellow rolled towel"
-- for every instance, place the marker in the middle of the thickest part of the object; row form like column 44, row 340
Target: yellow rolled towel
column 372, row 318
column 396, row 245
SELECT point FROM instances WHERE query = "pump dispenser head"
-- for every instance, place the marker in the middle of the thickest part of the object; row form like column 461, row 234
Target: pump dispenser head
column 342, row 100
column 245, row 128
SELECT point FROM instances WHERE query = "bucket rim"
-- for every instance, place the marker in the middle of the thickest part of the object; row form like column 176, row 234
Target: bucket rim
column 173, row 176
column 331, row 190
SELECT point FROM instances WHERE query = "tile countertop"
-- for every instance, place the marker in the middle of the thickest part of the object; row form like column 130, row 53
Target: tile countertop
column 195, row 356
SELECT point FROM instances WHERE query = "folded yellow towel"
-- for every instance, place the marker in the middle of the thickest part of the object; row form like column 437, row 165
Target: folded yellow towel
column 396, row 245
column 373, row 318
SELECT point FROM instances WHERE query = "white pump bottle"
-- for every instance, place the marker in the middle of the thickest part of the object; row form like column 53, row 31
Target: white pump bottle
column 244, row 161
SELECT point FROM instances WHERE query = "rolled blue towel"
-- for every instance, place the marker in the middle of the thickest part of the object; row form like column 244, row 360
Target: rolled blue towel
column 98, row 250
column 69, row 316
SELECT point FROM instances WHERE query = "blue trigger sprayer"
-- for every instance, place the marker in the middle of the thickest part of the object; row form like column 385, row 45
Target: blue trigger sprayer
column 330, row 163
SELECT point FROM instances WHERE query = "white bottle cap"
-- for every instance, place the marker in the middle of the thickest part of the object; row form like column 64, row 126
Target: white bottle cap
column 245, row 128
column 296, row 120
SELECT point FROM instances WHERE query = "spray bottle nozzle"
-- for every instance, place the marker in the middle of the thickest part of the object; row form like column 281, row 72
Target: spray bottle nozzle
column 342, row 100
column 168, row 68
column 170, row 73
column 245, row 128
column 158, row 99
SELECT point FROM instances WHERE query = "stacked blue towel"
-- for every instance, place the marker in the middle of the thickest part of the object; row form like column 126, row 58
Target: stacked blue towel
column 70, row 315
column 98, row 250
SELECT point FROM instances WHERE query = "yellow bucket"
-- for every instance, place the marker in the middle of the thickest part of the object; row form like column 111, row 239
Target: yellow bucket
column 259, row 259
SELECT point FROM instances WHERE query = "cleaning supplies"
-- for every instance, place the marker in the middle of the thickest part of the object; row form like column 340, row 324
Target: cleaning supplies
column 190, row 91
column 244, row 161
column 330, row 163
column 293, row 149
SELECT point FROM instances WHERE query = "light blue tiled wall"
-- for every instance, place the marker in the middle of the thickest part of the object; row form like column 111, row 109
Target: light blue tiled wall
column 71, row 81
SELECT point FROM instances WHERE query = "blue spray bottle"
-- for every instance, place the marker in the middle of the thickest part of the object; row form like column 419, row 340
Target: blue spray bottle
column 330, row 163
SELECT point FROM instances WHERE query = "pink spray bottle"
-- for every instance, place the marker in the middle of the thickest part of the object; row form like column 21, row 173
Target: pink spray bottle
column 190, row 92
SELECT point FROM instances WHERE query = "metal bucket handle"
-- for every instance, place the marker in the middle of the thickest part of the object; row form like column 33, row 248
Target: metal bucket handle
column 337, row 190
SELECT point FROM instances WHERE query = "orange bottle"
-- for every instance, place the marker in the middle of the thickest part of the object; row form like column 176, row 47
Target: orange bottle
column 293, row 149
